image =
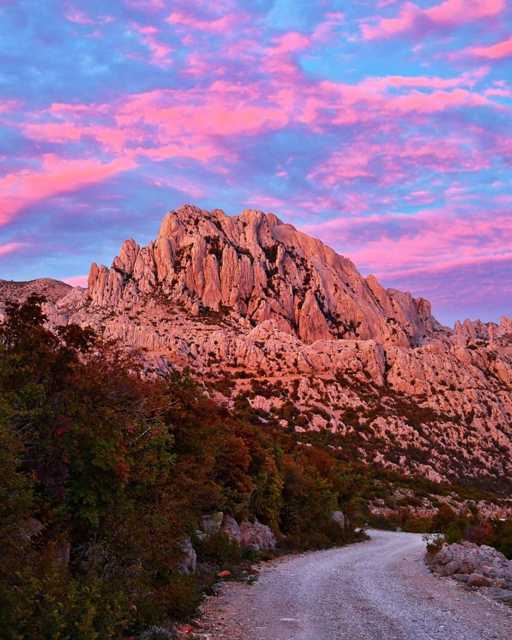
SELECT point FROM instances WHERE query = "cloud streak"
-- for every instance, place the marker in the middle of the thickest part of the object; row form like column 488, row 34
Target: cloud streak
column 449, row 14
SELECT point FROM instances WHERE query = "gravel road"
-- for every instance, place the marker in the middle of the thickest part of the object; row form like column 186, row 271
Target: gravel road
column 375, row 590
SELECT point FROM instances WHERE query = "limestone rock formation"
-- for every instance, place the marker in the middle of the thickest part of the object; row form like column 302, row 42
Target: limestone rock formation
column 256, row 267
column 267, row 315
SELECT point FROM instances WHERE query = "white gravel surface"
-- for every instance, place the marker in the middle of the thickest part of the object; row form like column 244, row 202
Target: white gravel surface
column 375, row 590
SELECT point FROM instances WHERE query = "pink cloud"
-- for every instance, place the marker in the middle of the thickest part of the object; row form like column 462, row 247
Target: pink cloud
column 498, row 92
column 226, row 109
column 450, row 13
column 76, row 281
column 428, row 242
column 11, row 247
column 218, row 25
column 159, row 51
column 195, row 149
column 266, row 202
column 8, row 105
column 196, row 123
column 78, row 109
column 112, row 139
column 56, row 175
column 459, row 11
column 496, row 51
column 79, row 17
column 424, row 82
column 150, row 6
column 437, row 101
column 395, row 161
column 387, row 27
column 200, row 64
column 290, row 43
column 344, row 104
column 279, row 59
column 325, row 31
column 180, row 183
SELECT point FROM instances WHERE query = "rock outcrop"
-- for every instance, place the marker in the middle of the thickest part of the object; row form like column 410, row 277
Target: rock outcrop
column 264, row 314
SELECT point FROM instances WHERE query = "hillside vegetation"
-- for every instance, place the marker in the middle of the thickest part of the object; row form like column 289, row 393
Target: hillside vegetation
column 106, row 472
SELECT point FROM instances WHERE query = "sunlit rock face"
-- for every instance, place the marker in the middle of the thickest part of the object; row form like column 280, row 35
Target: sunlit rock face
column 259, row 268
column 258, row 310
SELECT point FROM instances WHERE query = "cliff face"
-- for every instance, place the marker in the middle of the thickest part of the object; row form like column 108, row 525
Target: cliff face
column 267, row 315
column 256, row 267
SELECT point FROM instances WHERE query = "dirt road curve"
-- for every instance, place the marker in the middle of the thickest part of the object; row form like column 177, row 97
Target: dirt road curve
column 376, row 590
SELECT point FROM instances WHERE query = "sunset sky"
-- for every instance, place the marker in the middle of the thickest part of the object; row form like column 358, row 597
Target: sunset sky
column 384, row 128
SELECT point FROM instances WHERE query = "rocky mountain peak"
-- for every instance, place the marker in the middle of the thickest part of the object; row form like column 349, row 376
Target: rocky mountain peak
column 256, row 267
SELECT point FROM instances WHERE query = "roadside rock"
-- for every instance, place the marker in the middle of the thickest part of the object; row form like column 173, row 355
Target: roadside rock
column 478, row 580
column 257, row 536
column 477, row 566
column 188, row 562
column 338, row 517
column 231, row 529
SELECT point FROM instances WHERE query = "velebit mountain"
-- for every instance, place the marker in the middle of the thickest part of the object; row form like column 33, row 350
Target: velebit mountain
column 280, row 319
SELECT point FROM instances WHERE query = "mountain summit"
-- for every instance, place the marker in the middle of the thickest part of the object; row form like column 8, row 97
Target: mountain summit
column 257, row 267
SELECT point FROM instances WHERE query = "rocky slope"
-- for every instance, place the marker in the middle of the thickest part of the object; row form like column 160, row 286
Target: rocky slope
column 11, row 290
column 278, row 319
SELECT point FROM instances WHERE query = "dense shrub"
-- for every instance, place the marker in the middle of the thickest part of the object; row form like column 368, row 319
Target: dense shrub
column 456, row 527
column 219, row 549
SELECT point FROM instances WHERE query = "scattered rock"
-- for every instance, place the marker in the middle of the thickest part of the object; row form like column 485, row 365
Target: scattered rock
column 478, row 566
column 478, row 580
column 460, row 577
column 501, row 595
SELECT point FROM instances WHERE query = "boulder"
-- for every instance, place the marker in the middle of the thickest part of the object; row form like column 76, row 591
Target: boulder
column 478, row 580
column 501, row 595
column 338, row 517
column 452, row 567
column 256, row 536
column 188, row 562
column 231, row 529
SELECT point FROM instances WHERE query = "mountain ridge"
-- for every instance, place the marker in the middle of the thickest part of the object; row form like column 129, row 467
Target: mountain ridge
column 268, row 316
